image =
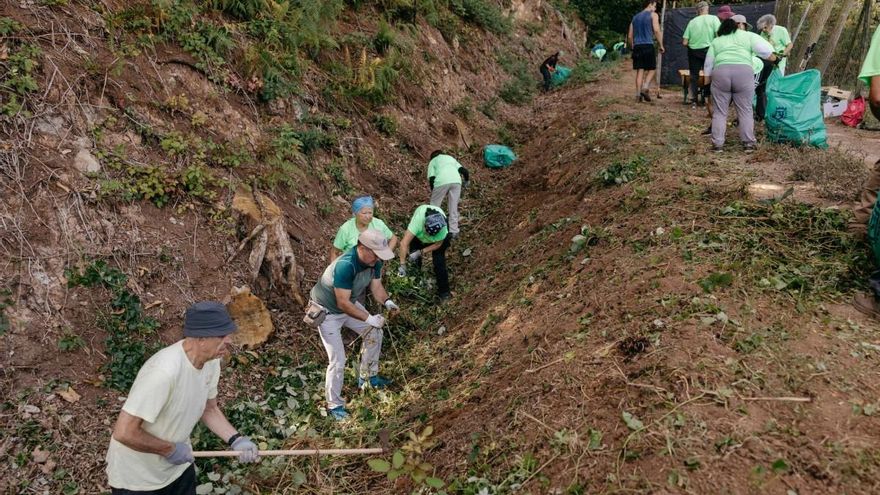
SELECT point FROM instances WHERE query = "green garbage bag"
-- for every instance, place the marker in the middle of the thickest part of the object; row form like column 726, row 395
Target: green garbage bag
column 560, row 76
column 794, row 110
column 874, row 232
column 498, row 156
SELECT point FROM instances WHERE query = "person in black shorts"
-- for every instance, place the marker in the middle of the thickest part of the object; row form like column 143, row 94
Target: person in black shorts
column 643, row 30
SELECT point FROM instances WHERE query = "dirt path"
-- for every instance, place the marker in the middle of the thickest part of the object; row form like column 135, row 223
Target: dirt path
column 693, row 340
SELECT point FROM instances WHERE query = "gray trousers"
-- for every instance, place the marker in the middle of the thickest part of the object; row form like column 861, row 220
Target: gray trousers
column 737, row 83
column 453, row 191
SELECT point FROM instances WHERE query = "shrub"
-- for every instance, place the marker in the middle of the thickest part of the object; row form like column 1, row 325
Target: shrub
column 517, row 91
column 481, row 13
column 386, row 124
column 384, row 39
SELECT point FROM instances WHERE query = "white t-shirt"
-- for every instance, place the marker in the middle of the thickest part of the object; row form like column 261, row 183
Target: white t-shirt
column 169, row 394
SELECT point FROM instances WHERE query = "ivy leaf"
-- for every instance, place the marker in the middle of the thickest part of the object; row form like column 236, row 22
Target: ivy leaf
column 435, row 483
column 397, row 459
column 379, row 465
column 632, row 422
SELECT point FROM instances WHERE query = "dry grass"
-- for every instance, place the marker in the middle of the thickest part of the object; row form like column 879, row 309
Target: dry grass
column 838, row 174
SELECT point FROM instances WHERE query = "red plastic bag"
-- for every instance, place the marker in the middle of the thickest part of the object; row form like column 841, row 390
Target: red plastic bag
column 854, row 113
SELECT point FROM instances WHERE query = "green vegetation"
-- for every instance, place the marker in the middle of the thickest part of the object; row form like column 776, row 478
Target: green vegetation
column 482, row 13
column 798, row 249
column 621, row 172
column 408, row 461
column 386, row 124
column 5, row 302
column 519, row 89
column 125, row 323
column 17, row 80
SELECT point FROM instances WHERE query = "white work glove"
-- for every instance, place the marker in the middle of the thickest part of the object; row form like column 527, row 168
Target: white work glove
column 183, row 454
column 401, row 271
column 415, row 255
column 390, row 306
column 375, row 321
column 249, row 451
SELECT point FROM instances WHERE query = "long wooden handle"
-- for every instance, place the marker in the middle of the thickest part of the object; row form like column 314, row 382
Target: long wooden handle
column 235, row 453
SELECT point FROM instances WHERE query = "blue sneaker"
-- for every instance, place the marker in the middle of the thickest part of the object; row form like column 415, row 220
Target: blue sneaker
column 339, row 413
column 376, row 381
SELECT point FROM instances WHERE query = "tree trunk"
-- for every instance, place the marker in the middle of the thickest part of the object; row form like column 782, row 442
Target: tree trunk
column 817, row 26
column 782, row 10
column 831, row 45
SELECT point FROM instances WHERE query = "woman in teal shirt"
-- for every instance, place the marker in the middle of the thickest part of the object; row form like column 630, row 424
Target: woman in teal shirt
column 729, row 67
column 362, row 219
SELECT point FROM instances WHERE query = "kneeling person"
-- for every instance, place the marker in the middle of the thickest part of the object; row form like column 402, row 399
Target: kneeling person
column 150, row 451
column 338, row 291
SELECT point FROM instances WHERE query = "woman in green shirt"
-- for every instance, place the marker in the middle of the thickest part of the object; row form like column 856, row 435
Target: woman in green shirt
column 778, row 38
column 729, row 67
column 362, row 219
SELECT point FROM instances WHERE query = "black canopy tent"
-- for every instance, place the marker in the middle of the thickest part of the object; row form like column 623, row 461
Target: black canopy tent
column 675, row 23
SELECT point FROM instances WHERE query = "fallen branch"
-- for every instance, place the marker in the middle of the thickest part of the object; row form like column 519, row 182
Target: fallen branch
column 780, row 399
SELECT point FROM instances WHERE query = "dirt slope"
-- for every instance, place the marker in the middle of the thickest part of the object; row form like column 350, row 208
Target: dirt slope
column 735, row 388
column 694, row 341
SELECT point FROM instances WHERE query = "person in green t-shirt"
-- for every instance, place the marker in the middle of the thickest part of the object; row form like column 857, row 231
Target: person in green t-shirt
column 446, row 179
column 347, row 235
column 698, row 34
column 427, row 233
column 729, row 68
column 778, row 37
column 338, row 291
column 869, row 303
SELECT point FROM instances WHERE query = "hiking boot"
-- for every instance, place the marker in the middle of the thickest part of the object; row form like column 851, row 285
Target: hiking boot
column 645, row 96
column 867, row 304
column 338, row 413
column 453, row 236
column 717, row 149
column 749, row 147
column 375, row 381
column 445, row 296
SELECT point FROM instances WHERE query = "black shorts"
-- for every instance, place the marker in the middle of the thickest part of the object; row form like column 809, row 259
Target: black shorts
column 644, row 57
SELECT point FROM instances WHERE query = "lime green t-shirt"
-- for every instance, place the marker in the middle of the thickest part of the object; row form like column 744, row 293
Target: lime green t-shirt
column 444, row 169
column 701, row 30
column 738, row 48
column 779, row 39
column 871, row 66
column 347, row 235
column 417, row 225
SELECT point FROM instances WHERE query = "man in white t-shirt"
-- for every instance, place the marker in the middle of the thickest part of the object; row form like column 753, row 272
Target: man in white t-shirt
column 150, row 451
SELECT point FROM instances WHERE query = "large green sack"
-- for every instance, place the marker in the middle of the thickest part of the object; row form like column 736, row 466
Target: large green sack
column 874, row 232
column 561, row 75
column 498, row 156
column 794, row 109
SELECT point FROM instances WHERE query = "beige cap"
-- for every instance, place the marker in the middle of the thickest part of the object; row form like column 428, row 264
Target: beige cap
column 376, row 242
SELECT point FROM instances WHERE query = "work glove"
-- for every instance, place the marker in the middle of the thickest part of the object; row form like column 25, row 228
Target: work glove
column 183, row 454
column 401, row 271
column 465, row 184
column 415, row 255
column 249, row 451
column 389, row 304
column 375, row 321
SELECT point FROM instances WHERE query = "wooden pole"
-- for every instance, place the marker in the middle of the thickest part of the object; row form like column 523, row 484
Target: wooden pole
column 264, row 453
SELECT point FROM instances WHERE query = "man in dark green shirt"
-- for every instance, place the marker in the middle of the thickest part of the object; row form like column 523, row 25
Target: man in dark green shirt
column 338, row 290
